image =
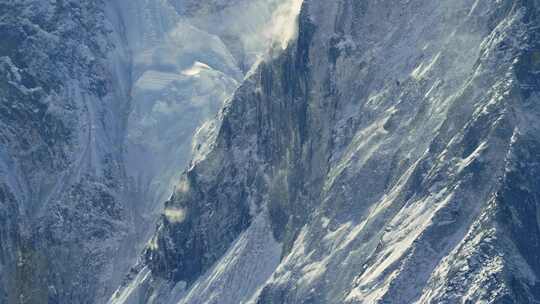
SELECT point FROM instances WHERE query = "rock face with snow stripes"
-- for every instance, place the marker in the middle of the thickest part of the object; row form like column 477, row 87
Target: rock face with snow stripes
column 391, row 152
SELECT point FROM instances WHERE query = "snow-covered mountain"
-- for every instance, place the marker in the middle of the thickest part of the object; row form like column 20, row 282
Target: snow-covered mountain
column 363, row 152
column 389, row 155
column 99, row 101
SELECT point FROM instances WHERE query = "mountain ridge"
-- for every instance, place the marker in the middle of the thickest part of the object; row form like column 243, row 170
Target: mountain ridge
column 379, row 145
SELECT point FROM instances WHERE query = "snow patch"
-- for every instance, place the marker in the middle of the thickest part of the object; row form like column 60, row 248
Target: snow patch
column 196, row 69
column 175, row 215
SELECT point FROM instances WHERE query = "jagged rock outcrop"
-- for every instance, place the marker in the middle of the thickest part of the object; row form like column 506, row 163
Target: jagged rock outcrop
column 391, row 153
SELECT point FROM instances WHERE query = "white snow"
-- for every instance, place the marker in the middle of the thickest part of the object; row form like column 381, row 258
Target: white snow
column 236, row 277
column 196, row 69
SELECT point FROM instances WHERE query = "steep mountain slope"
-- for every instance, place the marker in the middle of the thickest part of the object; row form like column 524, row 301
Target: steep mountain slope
column 389, row 155
column 61, row 173
column 86, row 90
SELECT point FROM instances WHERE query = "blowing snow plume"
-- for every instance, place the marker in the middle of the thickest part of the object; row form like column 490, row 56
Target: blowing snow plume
column 283, row 28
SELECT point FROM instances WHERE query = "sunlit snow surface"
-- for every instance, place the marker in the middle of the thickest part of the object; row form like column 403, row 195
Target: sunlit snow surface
column 236, row 278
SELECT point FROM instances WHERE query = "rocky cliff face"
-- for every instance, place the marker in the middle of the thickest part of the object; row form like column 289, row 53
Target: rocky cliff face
column 388, row 155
